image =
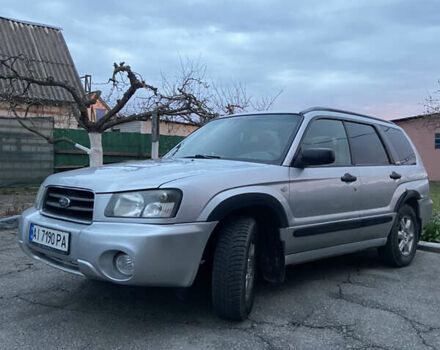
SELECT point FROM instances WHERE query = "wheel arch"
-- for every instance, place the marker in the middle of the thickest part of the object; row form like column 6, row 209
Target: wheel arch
column 248, row 200
column 410, row 197
column 270, row 216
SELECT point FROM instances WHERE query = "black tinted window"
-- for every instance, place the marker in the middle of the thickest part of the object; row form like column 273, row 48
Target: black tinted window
column 366, row 147
column 403, row 151
column 326, row 133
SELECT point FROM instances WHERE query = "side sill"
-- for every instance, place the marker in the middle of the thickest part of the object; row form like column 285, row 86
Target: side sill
column 317, row 254
column 342, row 225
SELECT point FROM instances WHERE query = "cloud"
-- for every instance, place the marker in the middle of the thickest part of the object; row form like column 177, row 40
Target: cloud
column 379, row 57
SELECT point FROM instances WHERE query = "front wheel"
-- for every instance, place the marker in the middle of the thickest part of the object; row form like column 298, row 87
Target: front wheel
column 401, row 245
column 234, row 269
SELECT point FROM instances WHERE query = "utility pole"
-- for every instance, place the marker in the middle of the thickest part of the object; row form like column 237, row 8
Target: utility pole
column 155, row 132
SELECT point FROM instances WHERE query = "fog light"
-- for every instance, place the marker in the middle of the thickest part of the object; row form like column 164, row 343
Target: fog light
column 124, row 264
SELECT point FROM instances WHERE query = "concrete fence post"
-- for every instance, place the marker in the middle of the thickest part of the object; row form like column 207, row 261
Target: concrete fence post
column 155, row 132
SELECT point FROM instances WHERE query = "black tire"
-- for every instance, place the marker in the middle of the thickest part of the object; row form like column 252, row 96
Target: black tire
column 230, row 298
column 392, row 253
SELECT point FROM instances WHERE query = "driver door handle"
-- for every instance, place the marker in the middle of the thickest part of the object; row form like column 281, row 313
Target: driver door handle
column 395, row 176
column 348, row 178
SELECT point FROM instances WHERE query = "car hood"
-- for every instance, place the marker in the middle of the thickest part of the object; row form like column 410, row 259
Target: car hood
column 144, row 174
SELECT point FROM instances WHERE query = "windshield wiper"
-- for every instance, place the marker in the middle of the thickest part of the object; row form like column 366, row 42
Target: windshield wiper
column 203, row 156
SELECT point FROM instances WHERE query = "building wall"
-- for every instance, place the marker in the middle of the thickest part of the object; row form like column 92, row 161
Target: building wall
column 98, row 107
column 61, row 115
column 25, row 158
column 422, row 135
column 166, row 128
column 64, row 119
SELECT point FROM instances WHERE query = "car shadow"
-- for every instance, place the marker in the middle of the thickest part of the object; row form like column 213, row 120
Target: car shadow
column 193, row 305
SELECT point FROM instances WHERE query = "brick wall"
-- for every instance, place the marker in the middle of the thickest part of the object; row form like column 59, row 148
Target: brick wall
column 421, row 133
column 25, row 158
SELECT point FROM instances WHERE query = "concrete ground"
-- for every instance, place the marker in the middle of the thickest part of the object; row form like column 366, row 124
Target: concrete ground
column 351, row 302
column 14, row 201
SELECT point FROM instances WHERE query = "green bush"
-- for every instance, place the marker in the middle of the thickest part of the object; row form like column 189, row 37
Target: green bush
column 431, row 233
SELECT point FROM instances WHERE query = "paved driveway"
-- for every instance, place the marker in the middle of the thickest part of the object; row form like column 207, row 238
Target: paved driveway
column 346, row 302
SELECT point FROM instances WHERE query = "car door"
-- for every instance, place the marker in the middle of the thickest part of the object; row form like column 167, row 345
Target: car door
column 378, row 183
column 324, row 198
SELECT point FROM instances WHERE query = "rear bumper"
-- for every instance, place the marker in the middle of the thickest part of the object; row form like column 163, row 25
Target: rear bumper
column 425, row 210
column 163, row 255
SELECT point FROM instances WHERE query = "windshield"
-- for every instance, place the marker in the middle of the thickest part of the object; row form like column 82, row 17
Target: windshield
column 260, row 138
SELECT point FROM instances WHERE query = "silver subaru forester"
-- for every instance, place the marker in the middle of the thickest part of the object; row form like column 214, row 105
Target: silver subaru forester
column 244, row 195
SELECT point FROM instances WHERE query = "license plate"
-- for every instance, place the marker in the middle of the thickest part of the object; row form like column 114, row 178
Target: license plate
column 49, row 238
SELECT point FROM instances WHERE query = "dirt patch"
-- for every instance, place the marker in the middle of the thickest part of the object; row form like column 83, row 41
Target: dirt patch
column 14, row 200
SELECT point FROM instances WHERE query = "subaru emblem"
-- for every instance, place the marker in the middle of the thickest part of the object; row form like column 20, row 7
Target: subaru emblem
column 64, row 202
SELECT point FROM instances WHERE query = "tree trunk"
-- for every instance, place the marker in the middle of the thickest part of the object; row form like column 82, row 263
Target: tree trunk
column 155, row 136
column 95, row 155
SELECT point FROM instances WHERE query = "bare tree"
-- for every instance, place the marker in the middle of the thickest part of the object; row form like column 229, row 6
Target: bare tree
column 217, row 99
column 432, row 109
column 187, row 98
column 21, row 78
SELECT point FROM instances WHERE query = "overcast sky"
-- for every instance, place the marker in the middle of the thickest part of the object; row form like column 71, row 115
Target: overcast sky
column 376, row 57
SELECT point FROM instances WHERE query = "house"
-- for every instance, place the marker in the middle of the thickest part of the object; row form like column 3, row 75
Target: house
column 174, row 128
column 98, row 110
column 46, row 48
column 424, row 131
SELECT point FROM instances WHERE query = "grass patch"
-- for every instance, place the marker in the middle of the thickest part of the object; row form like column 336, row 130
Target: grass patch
column 18, row 190
column 431, row 233
column 434, row 193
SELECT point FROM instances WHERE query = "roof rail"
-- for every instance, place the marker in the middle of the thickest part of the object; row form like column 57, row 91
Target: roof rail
column 326, row 109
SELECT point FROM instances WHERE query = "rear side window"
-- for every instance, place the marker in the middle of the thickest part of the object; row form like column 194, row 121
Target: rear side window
column 327, row 133
column 402, row 148
column 366, row 146
column 437, row 141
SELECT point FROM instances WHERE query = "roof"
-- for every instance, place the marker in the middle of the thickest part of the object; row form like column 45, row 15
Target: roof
column 47, row 51
column 416, row 117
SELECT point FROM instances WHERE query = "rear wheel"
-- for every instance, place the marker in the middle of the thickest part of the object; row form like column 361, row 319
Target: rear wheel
column 402, row 241
column 234, row 269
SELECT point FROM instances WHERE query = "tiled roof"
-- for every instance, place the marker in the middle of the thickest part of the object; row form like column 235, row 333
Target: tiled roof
column 47, row 51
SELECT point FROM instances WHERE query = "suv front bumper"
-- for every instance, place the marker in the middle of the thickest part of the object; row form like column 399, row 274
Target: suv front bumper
column 163, row 255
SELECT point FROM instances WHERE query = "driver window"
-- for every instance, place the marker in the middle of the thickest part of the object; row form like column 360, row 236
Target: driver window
column 327, row 133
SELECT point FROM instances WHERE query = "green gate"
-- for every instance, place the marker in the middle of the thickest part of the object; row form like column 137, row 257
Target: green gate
column 117, row 147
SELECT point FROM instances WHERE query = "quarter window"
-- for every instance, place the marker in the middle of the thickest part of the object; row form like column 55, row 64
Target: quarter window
column 327, row 133
column 366, row 146
column 437, row 141
column 403, row 151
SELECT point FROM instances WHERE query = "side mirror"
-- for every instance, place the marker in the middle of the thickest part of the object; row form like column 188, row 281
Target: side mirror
column 314, row 156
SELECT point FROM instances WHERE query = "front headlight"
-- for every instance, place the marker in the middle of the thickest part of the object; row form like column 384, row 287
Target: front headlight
column 147, row 204
column 39, row 199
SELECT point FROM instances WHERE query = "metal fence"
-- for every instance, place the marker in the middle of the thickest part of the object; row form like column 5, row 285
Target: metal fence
column 25, row 158
column 117, row 147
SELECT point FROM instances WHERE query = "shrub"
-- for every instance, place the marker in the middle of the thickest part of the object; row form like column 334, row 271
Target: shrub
column 431, row 233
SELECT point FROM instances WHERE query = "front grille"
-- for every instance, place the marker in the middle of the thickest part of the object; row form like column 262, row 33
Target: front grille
column 69, row 204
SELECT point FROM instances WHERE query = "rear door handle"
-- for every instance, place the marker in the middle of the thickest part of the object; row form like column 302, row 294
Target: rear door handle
column 348, row 178
column 395, row 176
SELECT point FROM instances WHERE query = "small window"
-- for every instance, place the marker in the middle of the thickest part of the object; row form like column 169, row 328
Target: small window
column 366, row 146
column 99, row 113
column 403, row 150
column 437, row 141
column 327, row 133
